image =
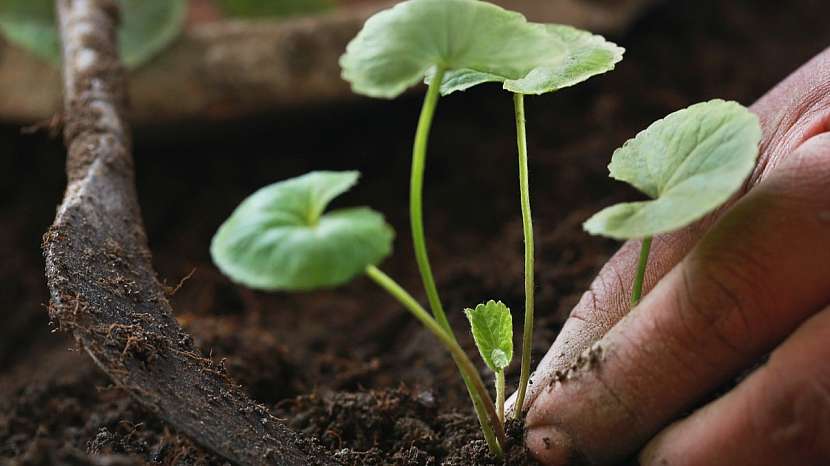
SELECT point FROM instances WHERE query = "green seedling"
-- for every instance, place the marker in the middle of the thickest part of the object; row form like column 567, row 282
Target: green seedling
column 454, row 45
column 148, row 27
column 492, row 327
column 689, row 163
column 281, row 238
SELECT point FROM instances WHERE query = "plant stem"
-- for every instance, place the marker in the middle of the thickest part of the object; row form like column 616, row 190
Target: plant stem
column 500, row 394
column 491, row 426
column 637, row 289
column 416, row 194
column 527, row 226
column 416, row 217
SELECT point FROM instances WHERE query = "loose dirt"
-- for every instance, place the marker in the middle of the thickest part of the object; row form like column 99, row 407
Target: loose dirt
column 349, row 367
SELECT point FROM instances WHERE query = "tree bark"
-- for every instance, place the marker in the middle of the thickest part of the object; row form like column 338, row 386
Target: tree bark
column 98, row 267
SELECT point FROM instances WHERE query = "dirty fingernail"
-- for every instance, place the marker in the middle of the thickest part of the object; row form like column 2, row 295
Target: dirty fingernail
column 549, row 445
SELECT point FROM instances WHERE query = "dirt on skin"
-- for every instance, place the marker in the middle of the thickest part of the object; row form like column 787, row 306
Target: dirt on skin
column 348, row 367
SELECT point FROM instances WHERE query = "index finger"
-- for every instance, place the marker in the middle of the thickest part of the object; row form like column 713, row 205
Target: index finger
column 762, row 270
column 791, row 113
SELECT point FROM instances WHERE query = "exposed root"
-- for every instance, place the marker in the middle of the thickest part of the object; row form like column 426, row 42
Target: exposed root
column 99, row 270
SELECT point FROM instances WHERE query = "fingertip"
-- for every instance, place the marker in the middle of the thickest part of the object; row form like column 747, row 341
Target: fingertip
column 549, row 445
column 652, row 455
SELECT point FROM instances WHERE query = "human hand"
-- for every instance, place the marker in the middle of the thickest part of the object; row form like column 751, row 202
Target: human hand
column 752, row 278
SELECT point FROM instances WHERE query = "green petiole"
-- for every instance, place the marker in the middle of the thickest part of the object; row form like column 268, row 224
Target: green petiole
column 491, row 425
column 527, row 227
column 637, row 288
column 416, row 217
column 416, row 195
column 500, row 394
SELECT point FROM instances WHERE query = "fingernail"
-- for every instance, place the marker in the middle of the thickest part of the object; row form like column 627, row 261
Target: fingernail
column 550, row 445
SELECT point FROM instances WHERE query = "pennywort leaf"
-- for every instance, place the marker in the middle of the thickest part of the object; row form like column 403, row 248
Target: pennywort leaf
column 583, row 55
column 689, row 163
column 492, row 327
column 279, row 238
column 476, row 42
column 148, row 27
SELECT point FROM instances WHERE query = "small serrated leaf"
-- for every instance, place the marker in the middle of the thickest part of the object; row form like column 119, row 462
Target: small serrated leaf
column 492, row 327
column 690, row 163
column 280, row 239
column 476, row 42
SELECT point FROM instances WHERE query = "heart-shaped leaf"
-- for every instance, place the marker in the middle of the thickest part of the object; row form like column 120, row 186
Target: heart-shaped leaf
column 690, row 163
column 148, row 27
column 477, row 42
column 492, row 327
column 280, row 239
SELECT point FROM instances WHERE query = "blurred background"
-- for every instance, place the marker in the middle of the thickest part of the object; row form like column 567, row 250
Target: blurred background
column 239, row 94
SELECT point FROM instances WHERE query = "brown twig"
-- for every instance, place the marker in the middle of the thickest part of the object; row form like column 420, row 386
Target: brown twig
column 96, row 254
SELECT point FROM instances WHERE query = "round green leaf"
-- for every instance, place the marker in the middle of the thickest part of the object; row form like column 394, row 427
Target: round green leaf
column 583, row 56
column 148, row 27
column 280, row 239
column 492, row 327
column 690, row 163
column 476, row 42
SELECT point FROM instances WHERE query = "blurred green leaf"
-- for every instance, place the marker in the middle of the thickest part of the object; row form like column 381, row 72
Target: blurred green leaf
column 280, row 239
column 31, row 24
column 148, row 27
column 492, row 327
column 265, row 8
column 690, row 163
column 475, row 42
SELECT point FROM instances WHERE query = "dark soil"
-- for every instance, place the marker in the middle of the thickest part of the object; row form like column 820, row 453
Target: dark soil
column 348, row 367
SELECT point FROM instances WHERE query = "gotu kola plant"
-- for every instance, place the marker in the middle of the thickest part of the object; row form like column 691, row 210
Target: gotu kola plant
column 689, row 163
column 455, row 45
column 279, row 238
